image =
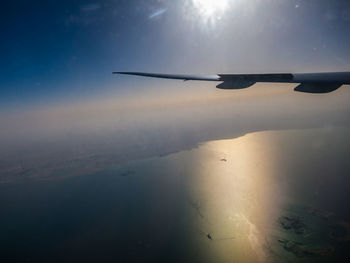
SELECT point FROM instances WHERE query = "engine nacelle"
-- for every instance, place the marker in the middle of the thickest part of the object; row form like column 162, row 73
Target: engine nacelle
column 317, row 87
column 235, row 84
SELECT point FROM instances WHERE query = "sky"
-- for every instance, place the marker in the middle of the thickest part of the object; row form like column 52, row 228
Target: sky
column 55, row 52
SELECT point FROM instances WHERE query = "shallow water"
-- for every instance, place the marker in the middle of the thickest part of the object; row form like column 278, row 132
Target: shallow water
column 220, row 202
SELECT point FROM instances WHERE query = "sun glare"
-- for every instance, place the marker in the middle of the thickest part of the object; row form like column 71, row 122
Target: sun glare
column 210, row 7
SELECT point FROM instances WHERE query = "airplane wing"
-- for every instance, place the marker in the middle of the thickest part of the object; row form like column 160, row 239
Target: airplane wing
column 173, row 76
column 308, row 82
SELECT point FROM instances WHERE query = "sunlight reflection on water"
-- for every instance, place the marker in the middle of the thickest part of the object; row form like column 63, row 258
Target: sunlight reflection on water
column 236, row 182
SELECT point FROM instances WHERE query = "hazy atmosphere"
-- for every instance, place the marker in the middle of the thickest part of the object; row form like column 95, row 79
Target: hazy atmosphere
column 97, row 167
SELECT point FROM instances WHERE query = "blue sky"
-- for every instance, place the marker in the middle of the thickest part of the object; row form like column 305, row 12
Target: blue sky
column 59, row 50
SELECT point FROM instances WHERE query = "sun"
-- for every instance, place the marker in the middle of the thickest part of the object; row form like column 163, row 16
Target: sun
column 208, row 14
column 210, row 8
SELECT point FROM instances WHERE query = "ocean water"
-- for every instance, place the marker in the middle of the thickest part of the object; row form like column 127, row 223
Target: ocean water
column 273, row 196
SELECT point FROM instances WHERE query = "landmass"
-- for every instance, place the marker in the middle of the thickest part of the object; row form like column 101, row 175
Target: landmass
column 301, row 250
